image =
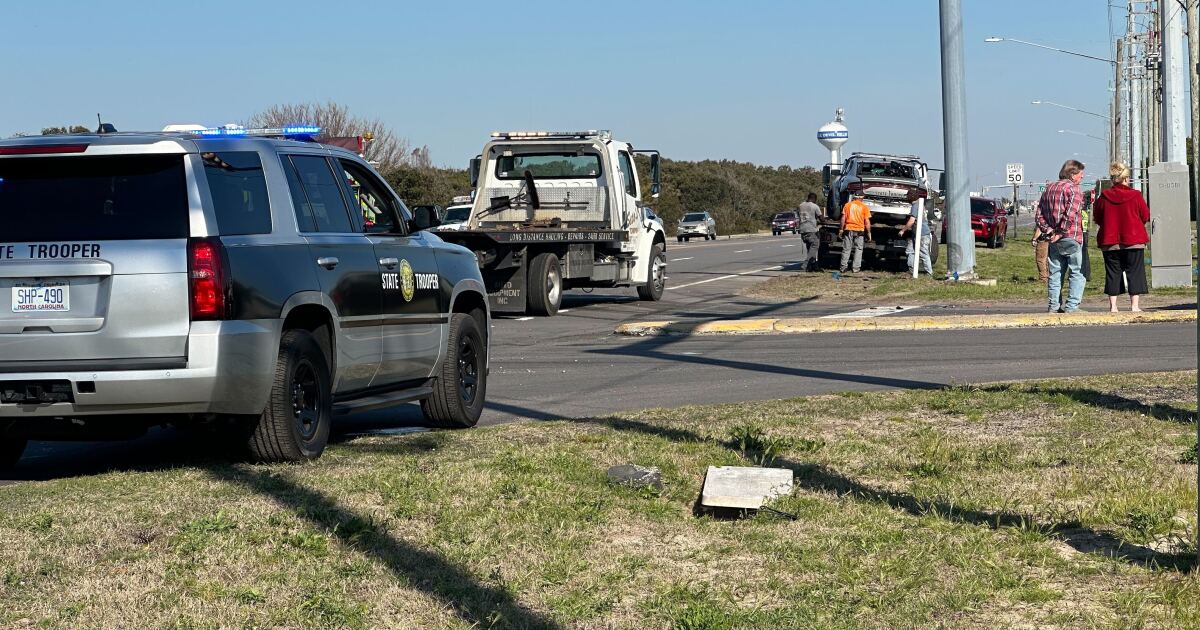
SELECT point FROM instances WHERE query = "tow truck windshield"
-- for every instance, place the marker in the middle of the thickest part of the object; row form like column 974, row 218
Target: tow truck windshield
column 549, row 166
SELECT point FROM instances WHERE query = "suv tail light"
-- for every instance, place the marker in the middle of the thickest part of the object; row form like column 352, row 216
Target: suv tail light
column 206, row 280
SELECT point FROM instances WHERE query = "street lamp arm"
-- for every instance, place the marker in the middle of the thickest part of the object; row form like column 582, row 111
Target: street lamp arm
column 1069, row 52
column 1076, row 109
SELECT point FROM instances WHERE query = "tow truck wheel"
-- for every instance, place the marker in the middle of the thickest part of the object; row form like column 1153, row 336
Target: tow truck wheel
column 652, row 291
column 545, row 285
column 461, row 383
column 295, row 425
column 11, row 449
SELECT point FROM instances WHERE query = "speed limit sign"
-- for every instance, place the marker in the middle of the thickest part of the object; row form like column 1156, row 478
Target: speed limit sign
column 1016, row 173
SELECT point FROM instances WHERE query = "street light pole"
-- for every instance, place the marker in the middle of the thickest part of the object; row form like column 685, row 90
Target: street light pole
column 992, row 40
column 1074, row 109
column 960, row 245
column 1193, row 29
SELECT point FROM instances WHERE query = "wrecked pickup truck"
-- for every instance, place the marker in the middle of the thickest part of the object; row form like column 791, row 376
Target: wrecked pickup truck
column 889, row 184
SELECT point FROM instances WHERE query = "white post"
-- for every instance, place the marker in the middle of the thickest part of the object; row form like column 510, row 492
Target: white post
column 917, row 236
column 1174, row 110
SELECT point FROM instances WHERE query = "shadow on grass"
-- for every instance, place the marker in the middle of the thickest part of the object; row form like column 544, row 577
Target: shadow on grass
column 821, row 478
column 1114, row 402
column 476, row 604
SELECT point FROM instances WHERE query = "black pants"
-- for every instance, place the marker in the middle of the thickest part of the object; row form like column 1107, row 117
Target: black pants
column 1122, row 263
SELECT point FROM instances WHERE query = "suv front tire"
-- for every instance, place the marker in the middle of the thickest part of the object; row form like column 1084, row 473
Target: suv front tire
column 461, row 383
column 295, row 425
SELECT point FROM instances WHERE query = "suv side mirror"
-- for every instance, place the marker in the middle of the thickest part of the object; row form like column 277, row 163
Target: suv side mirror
column 655, row 175
column 475, row 164
column 424, row 218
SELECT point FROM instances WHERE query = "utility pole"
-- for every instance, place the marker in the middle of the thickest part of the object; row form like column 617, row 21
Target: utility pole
column 1115, row 144
column 960, row 245
column 1193, row 30
column 1171, row 16
column 1134, row 73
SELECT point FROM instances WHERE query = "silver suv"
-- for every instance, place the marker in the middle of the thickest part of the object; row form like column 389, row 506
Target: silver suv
column 258, row 284
column 696, row 224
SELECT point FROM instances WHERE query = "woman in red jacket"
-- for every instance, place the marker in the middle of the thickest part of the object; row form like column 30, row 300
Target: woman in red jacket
column 1122, row 214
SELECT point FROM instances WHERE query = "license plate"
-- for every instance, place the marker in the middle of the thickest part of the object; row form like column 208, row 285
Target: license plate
column 31, row 297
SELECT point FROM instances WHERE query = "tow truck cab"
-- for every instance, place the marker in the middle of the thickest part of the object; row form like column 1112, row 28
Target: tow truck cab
column 555, row 211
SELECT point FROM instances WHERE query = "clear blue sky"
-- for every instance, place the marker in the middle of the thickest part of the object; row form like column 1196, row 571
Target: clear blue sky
column 749, row 81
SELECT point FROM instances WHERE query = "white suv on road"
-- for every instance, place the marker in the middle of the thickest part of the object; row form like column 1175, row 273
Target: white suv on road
column 696, row 224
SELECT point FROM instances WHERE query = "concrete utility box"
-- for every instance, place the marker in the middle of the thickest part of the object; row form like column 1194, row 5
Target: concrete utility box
column 1170, row 226
column 744, row 487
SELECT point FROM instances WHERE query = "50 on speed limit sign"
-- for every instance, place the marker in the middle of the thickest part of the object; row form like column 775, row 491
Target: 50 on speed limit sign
column 1016, row 173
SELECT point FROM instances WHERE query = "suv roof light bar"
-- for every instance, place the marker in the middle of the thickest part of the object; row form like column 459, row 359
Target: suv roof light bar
column 534, row 135
column 297, row 132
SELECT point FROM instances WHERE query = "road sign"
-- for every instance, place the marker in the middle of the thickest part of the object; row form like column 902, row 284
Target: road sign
column 1016, row 173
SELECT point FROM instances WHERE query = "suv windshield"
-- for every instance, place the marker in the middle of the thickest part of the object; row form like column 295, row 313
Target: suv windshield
column 549, row 166
column 983, row 207
column 93, row 198
column 885, row 169
column 457, row 215
column 695, row 216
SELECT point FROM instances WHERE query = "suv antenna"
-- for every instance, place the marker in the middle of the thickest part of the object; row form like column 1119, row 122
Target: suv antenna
column 103, row 127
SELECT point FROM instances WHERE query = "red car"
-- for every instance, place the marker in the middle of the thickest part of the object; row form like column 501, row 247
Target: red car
column 989, row 221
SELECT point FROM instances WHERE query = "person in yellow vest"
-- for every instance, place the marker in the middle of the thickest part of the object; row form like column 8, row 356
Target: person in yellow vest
column 856, row 225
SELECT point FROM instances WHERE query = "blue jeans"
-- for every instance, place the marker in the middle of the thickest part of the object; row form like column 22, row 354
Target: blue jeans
column 926, row 241
column 1066, row 264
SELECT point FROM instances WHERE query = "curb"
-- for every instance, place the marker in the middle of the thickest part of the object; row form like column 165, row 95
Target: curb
column 887, row 323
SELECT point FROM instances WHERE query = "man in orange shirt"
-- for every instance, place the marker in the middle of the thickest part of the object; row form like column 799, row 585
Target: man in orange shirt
column 856, row 224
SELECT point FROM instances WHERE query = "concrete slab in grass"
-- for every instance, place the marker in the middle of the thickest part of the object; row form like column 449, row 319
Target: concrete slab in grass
column 744, row 487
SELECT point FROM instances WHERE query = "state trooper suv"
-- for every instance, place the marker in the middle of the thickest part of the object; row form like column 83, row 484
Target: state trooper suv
column 256, row 283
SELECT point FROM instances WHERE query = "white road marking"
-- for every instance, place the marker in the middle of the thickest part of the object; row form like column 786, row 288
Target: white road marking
column 732, row 275
column 680, row 259
column 874, row 311
column 524, row 319
column 741, row 251
column 789, row 245
column 564, row 310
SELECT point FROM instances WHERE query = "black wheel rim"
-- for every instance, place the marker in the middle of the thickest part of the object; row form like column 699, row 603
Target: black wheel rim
column 468, row 369
column 306, row 401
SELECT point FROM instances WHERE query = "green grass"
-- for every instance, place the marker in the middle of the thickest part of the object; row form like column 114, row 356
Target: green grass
column 1012, row 266
column 1064, row 503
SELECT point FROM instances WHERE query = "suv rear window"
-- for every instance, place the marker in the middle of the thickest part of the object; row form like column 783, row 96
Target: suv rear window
column 983, row 207
column 786, row 215
column 239, row 192
column 93, row 198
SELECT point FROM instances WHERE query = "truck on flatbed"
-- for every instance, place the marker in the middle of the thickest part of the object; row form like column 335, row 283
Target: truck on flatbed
column 889, row 184
column 555, row 211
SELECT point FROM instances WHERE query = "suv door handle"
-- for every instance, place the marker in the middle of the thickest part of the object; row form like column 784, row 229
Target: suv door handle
column 328, row 262
column 389, row 262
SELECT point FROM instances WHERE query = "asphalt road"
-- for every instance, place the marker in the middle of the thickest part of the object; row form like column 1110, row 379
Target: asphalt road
column 573, row 366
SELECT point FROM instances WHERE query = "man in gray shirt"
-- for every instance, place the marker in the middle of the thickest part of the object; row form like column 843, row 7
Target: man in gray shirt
column 809, row 215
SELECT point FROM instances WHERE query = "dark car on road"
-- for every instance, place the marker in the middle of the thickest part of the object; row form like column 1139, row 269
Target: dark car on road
column 785, row 222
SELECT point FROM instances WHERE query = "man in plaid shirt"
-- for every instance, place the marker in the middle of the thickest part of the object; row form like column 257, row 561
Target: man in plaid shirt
column 1060, row 216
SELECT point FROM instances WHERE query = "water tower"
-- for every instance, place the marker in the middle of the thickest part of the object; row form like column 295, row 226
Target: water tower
column 833, row 135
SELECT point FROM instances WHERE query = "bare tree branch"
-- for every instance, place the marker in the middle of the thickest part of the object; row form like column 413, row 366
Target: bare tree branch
column 335, row 119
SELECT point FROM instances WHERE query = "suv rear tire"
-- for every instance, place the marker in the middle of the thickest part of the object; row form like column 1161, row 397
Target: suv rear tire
column 461, row 383
column 295, row 425
column 545, row 285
